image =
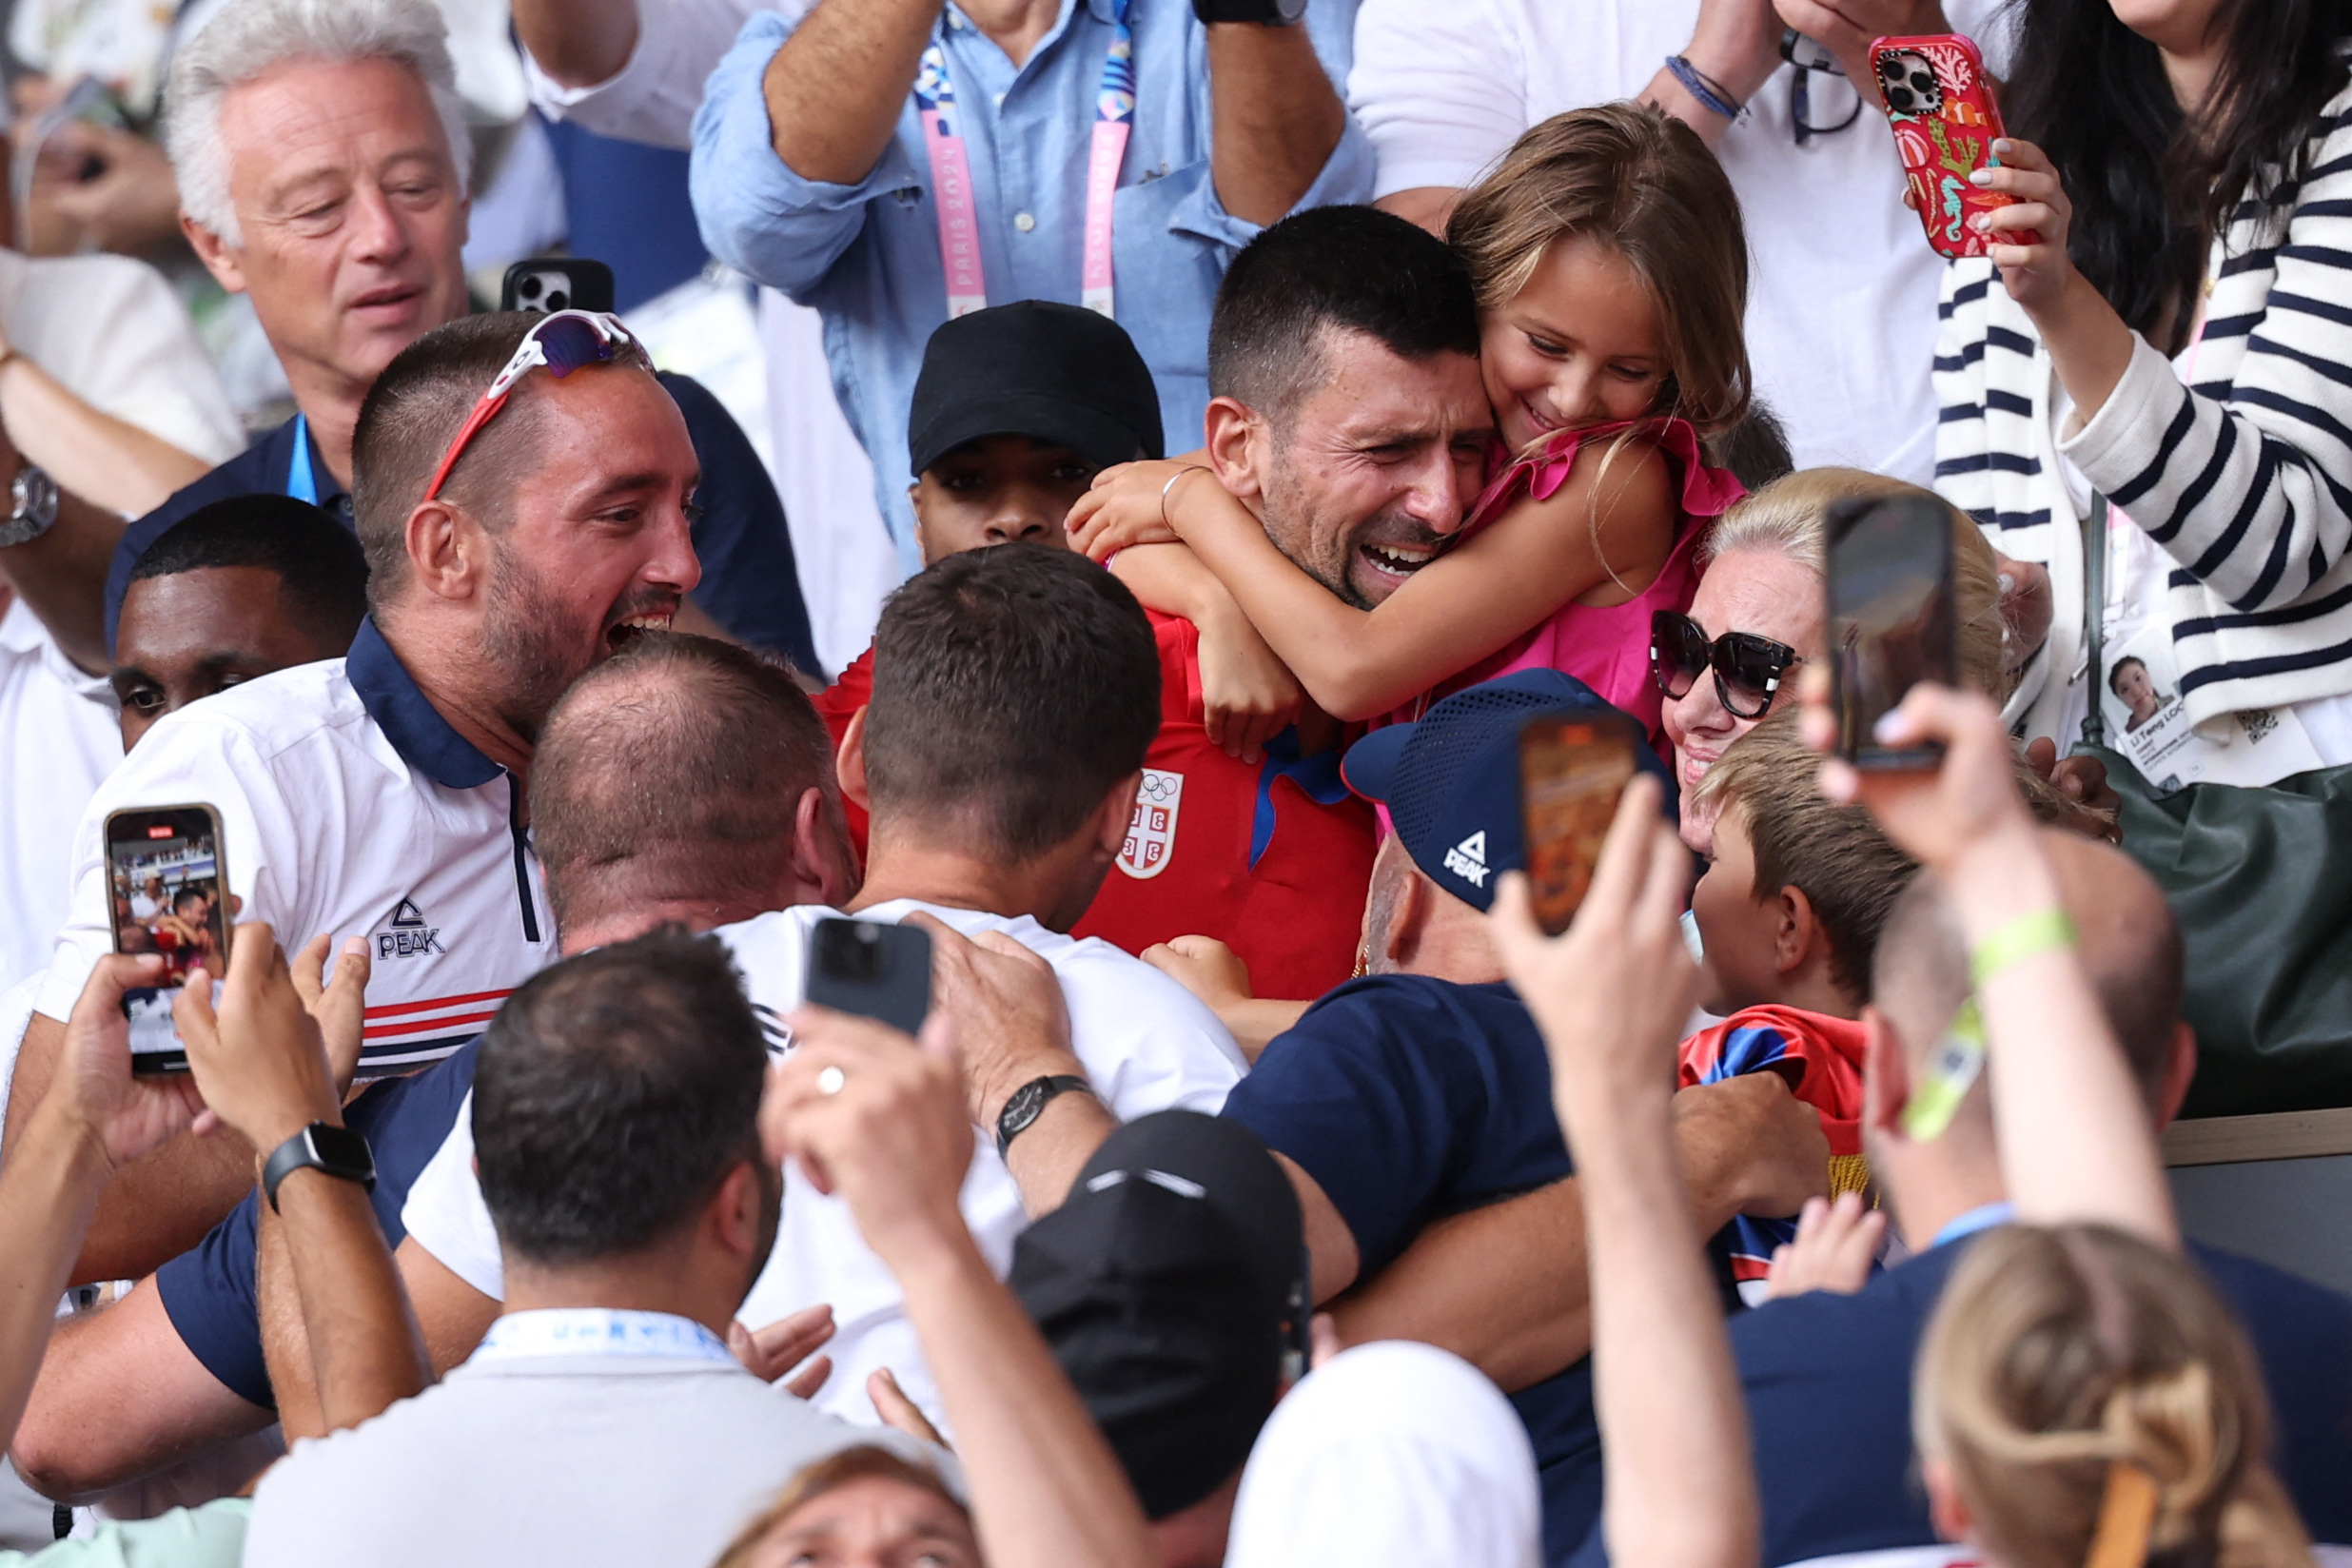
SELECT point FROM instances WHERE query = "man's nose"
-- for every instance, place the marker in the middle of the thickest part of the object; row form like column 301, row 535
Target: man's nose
column 378, row 230
column 673, row 563
column 1019, row 525
column 1438, row 499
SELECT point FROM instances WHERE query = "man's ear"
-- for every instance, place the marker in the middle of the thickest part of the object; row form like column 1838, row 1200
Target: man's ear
column 850, row 761
column 448, row 551
column 1115, row 815
column 214, row 252
column 824, row 866
column 1406, row 919
column 1886, row 1076
column 1233, row 438
column 737, row 1212
column 2179, row 1073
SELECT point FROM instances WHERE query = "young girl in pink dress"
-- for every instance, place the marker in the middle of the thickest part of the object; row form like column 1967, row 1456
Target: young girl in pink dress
column 1611, row 270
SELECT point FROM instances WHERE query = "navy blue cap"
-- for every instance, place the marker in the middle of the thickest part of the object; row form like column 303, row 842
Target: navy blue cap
column 1451, row 782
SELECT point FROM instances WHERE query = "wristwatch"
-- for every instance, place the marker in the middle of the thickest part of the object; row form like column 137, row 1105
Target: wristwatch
column 322, row 1146
column 1272, row 13
column 33, row 506
column 1029, row 1103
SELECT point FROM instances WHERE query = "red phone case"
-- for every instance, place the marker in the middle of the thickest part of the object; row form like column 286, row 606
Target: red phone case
column 1945, row 122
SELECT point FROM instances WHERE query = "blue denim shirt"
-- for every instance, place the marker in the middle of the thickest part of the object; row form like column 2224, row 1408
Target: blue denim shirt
column 867, row 255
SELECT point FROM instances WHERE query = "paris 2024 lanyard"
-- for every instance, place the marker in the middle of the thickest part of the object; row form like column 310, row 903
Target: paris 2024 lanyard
column 951, row 170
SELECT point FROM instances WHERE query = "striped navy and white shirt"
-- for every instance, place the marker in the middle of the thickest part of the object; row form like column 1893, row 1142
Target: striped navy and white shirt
column 2244, row 478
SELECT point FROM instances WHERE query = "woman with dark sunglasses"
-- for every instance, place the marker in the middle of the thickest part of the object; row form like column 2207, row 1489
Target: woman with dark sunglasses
column 1756, row 619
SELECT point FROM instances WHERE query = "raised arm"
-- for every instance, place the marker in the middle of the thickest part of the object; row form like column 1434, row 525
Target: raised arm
column 1276, row 117
column 894, row 1141
column 263, row 1064
column 835, row 90
column 1611, row 996
column 2074, row 1133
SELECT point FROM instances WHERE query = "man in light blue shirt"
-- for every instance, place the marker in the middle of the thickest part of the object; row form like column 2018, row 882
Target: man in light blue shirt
column 815, row 173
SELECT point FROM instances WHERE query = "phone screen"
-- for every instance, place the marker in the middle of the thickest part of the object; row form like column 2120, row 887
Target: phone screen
column 1572, row 771
column 872, row 969
column 1892, row 619
column 170, row 894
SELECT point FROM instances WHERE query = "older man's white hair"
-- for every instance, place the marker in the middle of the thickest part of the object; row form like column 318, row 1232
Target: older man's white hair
column 248, row 38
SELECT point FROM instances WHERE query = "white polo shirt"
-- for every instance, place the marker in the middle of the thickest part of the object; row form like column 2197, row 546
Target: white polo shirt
column 60, row 733
column 348, row 807
column 1148, row 1045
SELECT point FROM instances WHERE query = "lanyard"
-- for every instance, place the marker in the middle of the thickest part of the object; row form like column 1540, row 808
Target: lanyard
column 600, row 1331
column 300, row 481
column 951, row 170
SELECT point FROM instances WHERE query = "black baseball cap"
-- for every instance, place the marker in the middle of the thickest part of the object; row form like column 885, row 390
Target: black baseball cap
column 1451, row 781
column 1055, row 373
column 1169, row 1284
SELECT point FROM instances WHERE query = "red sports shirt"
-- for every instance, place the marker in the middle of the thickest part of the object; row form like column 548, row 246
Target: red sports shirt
column 1271, row 859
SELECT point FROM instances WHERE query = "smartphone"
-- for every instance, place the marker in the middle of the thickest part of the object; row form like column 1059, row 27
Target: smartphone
column 1945, row 123
column 1891, row 618
column 1572, row 769
column 170, row 888
column 556, row 283
column 872, row 969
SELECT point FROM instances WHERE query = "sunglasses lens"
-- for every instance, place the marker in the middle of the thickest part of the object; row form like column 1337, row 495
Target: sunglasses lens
column 1677, row 652
column 1749, row 668
column 572, row 342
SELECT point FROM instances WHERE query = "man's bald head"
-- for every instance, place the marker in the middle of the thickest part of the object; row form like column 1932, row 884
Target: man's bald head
column 2127, row 940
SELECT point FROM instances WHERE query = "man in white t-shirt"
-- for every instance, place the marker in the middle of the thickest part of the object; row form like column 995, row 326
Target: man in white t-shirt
column 381, row 795
column 1841, row 303
column 1015, row 694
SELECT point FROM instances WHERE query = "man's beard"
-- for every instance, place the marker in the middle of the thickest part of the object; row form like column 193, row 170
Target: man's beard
column 1289, row 523
column 523, row 637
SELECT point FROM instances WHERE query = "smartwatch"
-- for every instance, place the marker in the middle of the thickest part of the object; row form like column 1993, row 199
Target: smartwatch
column 1272, row 13
column 339, row 1151
column 1029, row 1103
column 32, row 506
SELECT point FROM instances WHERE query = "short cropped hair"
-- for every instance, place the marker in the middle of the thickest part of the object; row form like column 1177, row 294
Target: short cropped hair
column 321, row 573
column 409, row 418
column 1344, row 268
column 673, row 768
column 1848, row 869
column 1012, row 688
column 247, row 38
column 613, row 1093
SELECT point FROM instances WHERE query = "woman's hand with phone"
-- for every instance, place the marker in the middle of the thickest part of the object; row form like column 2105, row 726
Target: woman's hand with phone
column 2028, row 238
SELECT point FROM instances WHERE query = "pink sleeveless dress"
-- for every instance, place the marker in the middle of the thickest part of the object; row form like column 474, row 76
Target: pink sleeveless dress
column 1605, row 647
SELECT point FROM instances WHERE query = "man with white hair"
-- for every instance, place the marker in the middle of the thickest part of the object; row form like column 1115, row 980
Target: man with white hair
column 323, row 161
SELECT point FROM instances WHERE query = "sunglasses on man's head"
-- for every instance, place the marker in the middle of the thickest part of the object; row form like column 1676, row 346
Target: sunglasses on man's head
column 1748, row 668
column 564, row 341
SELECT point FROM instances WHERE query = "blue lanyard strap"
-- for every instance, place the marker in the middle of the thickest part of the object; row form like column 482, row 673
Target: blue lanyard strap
column 300, row 481
column 600, row 1331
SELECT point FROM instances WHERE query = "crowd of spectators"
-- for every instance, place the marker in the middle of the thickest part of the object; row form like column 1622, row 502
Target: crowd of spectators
column 1097, row 494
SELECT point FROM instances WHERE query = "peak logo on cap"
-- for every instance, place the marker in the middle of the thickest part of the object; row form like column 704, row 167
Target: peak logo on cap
column 1467, row 859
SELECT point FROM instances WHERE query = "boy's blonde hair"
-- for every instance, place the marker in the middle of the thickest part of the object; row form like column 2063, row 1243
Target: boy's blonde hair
column 1640, row 182
column 1789, row 516
column 2057, row 1354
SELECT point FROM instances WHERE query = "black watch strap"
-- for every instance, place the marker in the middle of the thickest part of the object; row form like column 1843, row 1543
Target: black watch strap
column 1272, row 13
column 322, row 1146
column 1028, row 1102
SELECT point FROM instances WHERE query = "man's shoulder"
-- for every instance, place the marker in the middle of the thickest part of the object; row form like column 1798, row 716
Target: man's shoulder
column 257, row 470
column 2275, row 1302
column 1406, row 1005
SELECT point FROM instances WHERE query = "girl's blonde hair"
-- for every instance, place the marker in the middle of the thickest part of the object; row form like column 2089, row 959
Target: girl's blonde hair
column 1789, row 516
column 863, row 1462
column 2058, row 1354
column 1640, row 182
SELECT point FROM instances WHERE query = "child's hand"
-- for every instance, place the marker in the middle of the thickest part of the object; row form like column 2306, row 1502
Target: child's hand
column 1249, row 693
column 2028, row 238
column 1127, row 506
column 1834, row 1245
column 1204, row 966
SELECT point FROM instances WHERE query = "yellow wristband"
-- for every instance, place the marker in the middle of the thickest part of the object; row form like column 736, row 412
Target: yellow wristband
column 2028, row 936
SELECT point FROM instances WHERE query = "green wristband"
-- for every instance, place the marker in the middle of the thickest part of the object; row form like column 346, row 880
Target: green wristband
column 1958, row 1062
column 2028, row 936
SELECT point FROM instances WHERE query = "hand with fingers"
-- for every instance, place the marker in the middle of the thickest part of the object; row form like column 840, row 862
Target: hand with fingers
column 1934, row 815
column 339, row 1007
column 1835, row 1246
column 94, row 1095
column 896, row 1410
column 2028, row 238
column 1128, row 505
column 786, row 1347
column 1007, row 1010
column 259, row 1060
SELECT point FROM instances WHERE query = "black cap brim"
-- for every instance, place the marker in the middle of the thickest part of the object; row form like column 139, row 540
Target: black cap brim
column 1057, row 422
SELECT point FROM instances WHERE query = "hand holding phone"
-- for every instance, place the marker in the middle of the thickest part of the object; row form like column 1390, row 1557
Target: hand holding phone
column 1572, row 769
column 875, row 971
column 1892, row 616
column 1940, row 104
column 168, row 884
